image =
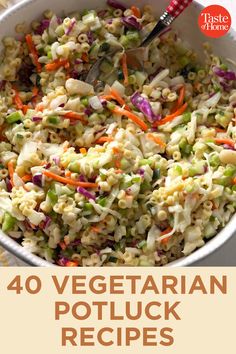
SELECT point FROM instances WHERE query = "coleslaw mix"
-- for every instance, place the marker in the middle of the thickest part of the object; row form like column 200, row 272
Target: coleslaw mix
column 138, row 169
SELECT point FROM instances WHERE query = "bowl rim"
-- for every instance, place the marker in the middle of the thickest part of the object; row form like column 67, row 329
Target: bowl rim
column 31, row 259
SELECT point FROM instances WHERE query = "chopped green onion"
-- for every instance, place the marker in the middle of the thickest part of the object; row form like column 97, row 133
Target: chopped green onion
column 49, row 55
column 145, row 186
column 88, row 207
column 145, row 162
column 224, row 67
column 178, row 170
column 224, row 181
column 74, row 166
column 197, row 169
column 186, row 117
column 136, row 179
column 102, row 201
column 142, row 244
column 13, row 117
column 185, row 148
column 84, row 100
column 124, row 163
column 8, row 222
column 214, row 160
column 230, row 171
column 53, row 120
column 52, row 196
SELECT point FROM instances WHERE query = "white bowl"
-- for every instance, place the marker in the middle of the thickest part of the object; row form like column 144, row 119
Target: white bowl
column 187, row 25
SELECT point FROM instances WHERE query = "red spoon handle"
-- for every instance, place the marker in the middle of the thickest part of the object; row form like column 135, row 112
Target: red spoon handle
column 177, row 6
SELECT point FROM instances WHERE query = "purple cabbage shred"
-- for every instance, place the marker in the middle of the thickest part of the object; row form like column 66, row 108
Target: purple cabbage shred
column 82, row 178
column 9, row 185
column 144, row 106
column 85, row 193
column 56, row 160
column 62, row 261
column 44, row 24
column 90, row 37
column 70, row 28
column 38, row 179
column 227, row 75
column 37, row 119
column 116, row 5
column 131, row 22
column 141, row 172
column 46, row 222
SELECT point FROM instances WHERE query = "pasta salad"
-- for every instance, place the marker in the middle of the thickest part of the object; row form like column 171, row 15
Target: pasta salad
column 138, row 169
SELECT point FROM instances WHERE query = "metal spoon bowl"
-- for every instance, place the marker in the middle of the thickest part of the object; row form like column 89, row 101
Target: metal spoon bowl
column 136, row 56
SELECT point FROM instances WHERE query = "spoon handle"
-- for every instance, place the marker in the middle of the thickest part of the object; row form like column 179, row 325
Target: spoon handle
column 177, row 6
column 174, row 9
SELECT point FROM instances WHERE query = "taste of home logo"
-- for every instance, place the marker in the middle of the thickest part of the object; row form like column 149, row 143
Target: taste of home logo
column 214, row 21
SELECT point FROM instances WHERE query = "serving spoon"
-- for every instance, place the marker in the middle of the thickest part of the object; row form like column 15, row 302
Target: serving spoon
column 136, row 56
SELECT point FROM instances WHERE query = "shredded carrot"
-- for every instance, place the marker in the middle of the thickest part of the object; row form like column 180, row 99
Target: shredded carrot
column 39, row 108
column 117, row 154
column 107, row 97
column 32, row 225
column 26, row 178
column 85, row 57
column 156, row 139
column 225, row 141
column 67, row 174
column 117, row 163
column 56, row 64
column 119, row 99
column 83, row 151
column 74, row 115
column 116, row 150
column 125, row 69
column 2, row 137
column 33, row 51
column 25, row 108
column 136, row 11
column 165, row 232
column 72, row 264
column 10, row 167
column 169, row 118
column 104, row 139
column 180, row 100
column 69, row 181
column 17, row 100
column 132, row 116
column 181, row 96
column 95, row 229
column 219, row 130
column 62, row 245
column 119, row 171
column 35, row 91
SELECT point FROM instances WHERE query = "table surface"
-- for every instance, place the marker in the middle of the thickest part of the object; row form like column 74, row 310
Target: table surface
column 226, row 255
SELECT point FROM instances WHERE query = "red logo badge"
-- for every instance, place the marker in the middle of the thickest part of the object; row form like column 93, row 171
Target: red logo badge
column 214, row 21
